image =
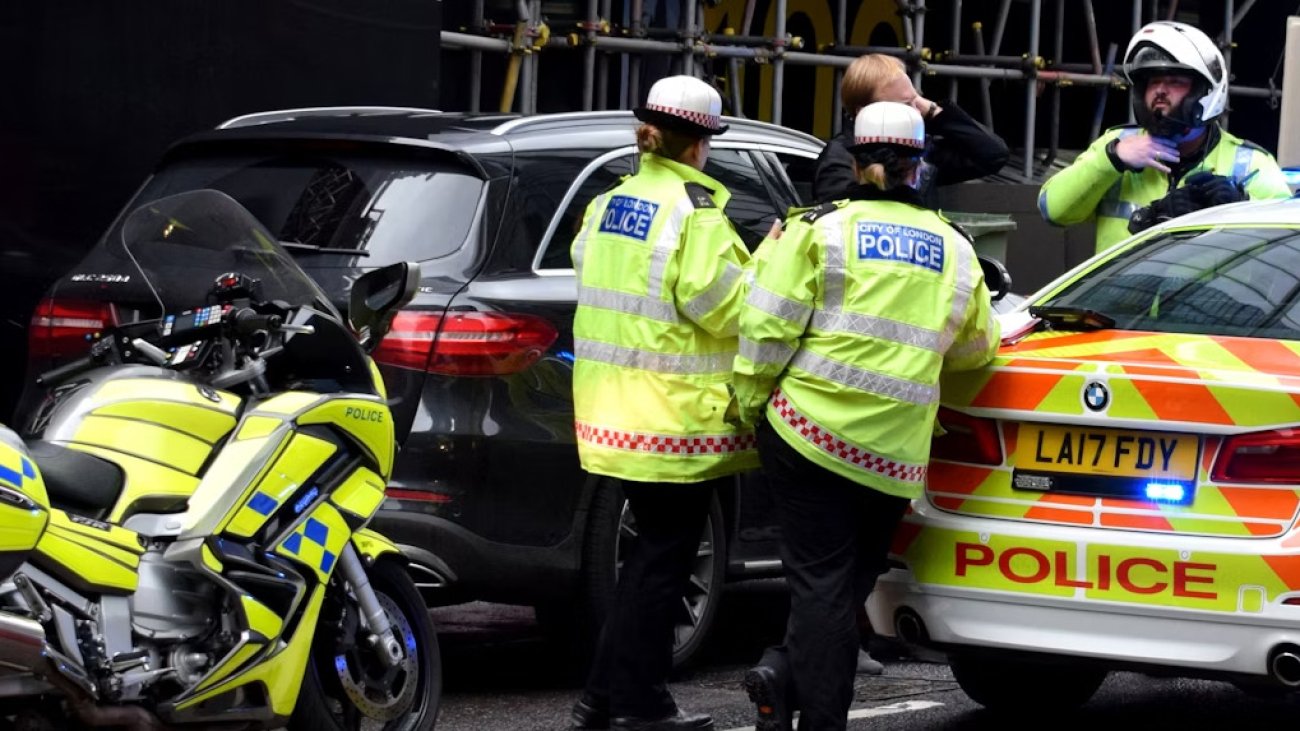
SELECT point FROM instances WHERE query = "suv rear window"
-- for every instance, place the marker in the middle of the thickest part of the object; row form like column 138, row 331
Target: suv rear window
column 1222, row 281
column 397, row 209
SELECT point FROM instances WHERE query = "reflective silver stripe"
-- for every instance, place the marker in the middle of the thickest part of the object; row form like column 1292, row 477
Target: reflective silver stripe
column 765, row 353
column 580, row 244
column 963, row 279
column 632, row 304
column 666, row 244
column 708, row 300
column 647, row 360
column 864, row 380
column 833, row 237
column 1116, row 209
column 1241, row 163
column 877, row 327
column 778, row 306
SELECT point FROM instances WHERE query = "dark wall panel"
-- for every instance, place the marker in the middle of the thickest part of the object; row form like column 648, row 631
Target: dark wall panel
column 95, row 91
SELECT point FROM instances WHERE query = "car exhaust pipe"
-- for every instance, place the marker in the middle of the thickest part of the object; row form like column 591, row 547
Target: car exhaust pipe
column 1284, row 666
column 22, row 644
column 910, row 627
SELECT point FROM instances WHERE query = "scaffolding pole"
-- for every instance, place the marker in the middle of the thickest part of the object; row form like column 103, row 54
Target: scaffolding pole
column 528, row 39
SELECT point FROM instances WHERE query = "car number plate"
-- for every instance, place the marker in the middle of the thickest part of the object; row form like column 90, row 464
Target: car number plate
column 1141, row 465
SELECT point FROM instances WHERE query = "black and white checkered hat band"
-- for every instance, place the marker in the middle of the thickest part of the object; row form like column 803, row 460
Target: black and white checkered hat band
column 905, row 141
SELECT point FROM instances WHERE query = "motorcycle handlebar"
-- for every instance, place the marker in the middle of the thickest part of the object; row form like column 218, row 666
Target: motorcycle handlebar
column 248, row 322
column 67, row 370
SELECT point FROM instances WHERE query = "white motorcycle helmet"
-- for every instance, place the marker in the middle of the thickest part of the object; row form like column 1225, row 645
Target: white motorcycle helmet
column 1168, row 47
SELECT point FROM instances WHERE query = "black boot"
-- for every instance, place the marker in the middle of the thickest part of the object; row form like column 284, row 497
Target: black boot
column 767, row 689
column 590, row 714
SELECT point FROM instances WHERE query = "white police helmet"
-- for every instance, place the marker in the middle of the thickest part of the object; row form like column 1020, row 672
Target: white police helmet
column 684, row 104
column 1166, row 47
column 889, row 124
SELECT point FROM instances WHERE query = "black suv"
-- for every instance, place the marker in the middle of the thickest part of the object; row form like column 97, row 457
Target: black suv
column 487, row 497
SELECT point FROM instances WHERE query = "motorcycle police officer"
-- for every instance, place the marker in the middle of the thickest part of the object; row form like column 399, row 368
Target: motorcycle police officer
column 851, row 317
column 660, row 289
column 1177, row 159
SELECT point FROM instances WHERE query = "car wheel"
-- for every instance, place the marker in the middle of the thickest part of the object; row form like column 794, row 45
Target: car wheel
column 610, row 533
column 1019, row 687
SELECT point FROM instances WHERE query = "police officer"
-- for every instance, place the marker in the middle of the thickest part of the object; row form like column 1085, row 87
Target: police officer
column 1176, row 159
column 959, row 150
column 850, row 320
column 660, row 289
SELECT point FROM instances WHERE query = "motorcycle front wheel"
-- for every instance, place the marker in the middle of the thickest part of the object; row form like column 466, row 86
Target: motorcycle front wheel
column 346, row 683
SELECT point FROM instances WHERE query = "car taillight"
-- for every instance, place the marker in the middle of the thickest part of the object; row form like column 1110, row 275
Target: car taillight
column 466, row 343
column 1267, row 456
column 63, row 328
column 969, row 439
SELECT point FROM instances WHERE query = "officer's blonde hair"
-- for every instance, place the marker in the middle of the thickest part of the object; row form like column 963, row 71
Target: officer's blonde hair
column 865, row 77
column 664, row 142
column 885, row 168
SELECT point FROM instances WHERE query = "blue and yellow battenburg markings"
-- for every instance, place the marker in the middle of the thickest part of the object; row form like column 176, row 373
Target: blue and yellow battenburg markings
column 14, row 477
column 262, row 504
column 315, row 532
column 318, row 540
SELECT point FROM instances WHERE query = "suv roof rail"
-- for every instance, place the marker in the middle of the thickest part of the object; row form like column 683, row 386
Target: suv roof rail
column 543, row 122
column 281, row 115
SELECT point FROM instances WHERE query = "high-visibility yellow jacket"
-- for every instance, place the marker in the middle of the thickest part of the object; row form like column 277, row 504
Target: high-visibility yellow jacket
column 1092, row 185
column 853, row 314
column 660, row 289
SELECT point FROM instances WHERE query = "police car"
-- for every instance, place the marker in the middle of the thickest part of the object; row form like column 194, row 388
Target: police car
column 1120, row 487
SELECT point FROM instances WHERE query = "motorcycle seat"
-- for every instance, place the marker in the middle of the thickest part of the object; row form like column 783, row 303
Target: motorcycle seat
column 76, row 481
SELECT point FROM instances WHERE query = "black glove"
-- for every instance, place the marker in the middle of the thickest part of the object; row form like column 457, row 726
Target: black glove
column 1179, row 202
column 1214, row 190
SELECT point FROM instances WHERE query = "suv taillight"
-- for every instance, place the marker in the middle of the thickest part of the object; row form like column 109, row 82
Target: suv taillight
column 64, row 328
column 969, row 439
column 465, row 343
column 1267, row 456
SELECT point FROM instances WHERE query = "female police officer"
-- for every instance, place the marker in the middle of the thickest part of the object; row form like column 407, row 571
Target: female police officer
column 660, row 289
column 852, row 316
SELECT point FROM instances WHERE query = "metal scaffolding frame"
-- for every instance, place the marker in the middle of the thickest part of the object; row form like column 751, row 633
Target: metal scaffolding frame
column 598, row 41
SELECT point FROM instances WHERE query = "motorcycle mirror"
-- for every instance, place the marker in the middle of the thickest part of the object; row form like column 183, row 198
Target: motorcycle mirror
column 996, row 277
column 377, row 296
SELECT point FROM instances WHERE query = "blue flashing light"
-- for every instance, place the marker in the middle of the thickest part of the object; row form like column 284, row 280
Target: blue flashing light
column 1169, row 492
column 1292, row 176
column 306, row 500
column 568, row 356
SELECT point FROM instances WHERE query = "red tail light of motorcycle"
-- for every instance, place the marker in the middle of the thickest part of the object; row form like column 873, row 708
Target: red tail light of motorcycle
column 1268, row 456
column 64, row 328
column 466, row 343
column 969, row 439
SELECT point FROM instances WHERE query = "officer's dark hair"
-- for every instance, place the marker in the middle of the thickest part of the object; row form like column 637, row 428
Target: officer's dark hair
column 886, row 166
column 667, row 143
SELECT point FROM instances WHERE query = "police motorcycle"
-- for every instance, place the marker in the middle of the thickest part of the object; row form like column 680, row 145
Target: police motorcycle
column 184, row 543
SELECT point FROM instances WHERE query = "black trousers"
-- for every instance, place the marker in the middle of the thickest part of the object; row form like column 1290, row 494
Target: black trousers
column 635, row 651
column 835, row 543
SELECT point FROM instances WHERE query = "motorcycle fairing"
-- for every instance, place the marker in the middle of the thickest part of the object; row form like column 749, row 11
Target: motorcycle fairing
column 24, row 506
column 90, row 555
column 158, row 429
